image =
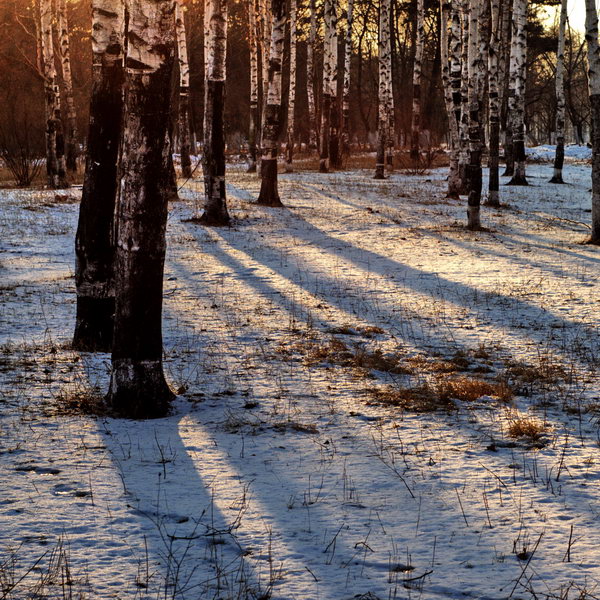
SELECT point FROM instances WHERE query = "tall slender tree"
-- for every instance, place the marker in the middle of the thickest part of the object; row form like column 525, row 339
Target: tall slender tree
column 494, row 106
column 269, row 193
column 310, row 78
column 65, row 61
column 55, row 143
column 417, row 72
column 215, row 206
column 138, row 388
column 291, row 104
column 253, row 21
column 591, row 36
column 184, row 92
column 385, row 75
column 345, row 132
column 94, row 242
column 329, row 83
column 559, row 157
column 518, row 75
column 474, row 173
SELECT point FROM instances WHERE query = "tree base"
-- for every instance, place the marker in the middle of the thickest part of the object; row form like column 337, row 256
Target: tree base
column 272, row 201
column 138, row 389
column 213, row 220
column 251, row 168
column 518, row 180
column 508, row 173
column 94, row 324
column 556, row 179
column 289, row 168
column 323, row 168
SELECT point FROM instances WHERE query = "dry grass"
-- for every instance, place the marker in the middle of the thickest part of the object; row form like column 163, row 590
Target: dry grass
column 545, row 371
column 469, row 389
column 82, row 402
column 419, row 399
column 520, row 426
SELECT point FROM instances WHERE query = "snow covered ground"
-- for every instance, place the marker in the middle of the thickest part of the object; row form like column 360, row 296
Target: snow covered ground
column 344, row 426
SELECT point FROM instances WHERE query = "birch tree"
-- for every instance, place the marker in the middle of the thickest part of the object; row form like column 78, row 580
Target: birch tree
column 253, row 20
column 518, row 73
column 345, row 133
column 310, row 78
column 55, row 143
column 494, row 106
column 184, row 92
column 417, row 70
column 329, row 81
column 94, row 243
column 451, row 72
column 269, row 194
column 138, row 388
column 385, row 74
column 65, row 61
column 291, row 104
column 474, row 174
column 559, row 157
column 591, row 36
column 215, row 205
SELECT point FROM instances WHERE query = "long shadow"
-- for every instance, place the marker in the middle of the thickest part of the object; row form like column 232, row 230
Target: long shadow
column 417, row 280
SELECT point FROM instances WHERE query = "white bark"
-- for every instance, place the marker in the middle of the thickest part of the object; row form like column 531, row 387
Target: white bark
column 346, row 90
column 560, row 96
column 253, row 20
column 329, row 81
column 494, row 104
column 310, row 77
column 65, row 60
column 292, row 88
column 184, row 91
column 385, row 77
column 417, row 70
column 518, row 73
column 591, row 36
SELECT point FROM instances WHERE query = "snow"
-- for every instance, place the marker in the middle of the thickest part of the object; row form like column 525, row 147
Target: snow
column 279, row 472
column 546, row 152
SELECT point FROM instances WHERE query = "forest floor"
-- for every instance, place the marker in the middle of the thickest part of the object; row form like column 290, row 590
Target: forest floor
column 374, row 402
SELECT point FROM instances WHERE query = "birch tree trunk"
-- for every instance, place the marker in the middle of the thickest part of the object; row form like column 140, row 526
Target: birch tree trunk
column 329, row 75
column 94, row 242
column 391, row 119
column 417, row 69
column 65, row 58
column 474, row 176
column 55, row 143
column 138, row 388
column 253, row 19
column 266, row 27
column 291, row 104
column 494, row 107
column 345, row 133
column 310, row 78
column 269, row 194
column 518, row 70
column 591, row 36
column 184, row 92
column 385, row 72
column 559, row 157
column 464, row 156
column 450, row 57
column 215, row 205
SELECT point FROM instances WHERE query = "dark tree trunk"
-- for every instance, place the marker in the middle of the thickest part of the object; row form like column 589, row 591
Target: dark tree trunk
column 138, row 388
column 94, row 242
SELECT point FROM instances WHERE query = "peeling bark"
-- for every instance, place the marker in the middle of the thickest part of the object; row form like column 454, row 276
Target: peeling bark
column 94, row 242
column 417, row 70
column 494, row 107
column 329, row 97
column 138, row 388
column 385, row 76
column 310, row 78
column 345, row 132
column 253, row 20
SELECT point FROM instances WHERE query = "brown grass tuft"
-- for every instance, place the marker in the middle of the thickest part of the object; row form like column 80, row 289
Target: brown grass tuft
column 526, row 427
column 416, row 399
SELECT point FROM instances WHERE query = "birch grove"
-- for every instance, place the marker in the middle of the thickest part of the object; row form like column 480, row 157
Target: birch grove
column 269, row 193
column 593, row 53
column 94, row 241
column 65, row 61
column 559, row 157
